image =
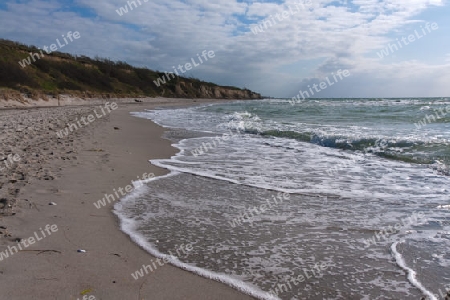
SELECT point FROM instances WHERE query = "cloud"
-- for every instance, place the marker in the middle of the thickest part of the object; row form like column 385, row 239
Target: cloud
column 319, row 38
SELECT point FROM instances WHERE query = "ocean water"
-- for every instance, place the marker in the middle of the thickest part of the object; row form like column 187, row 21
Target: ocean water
column 323, row 199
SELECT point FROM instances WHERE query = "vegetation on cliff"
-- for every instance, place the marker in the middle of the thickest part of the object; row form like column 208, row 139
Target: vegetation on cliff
column 29, row 70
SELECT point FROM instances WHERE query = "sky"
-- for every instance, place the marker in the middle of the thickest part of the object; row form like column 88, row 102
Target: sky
column 388, row 48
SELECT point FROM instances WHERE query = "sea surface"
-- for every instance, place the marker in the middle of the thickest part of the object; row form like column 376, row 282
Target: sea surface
column 322, row 199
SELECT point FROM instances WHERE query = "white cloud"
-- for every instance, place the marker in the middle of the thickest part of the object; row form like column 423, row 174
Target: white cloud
column 161, row 34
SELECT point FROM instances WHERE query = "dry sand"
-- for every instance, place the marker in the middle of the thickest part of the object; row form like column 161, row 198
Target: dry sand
column 74, row 172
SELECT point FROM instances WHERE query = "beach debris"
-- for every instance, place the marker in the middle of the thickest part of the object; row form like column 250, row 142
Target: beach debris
column 81, row 251
column 116, row 128
column 44, row 251
column 41, row 251
column 86, row 291
column 136, row 100
column 52, row 203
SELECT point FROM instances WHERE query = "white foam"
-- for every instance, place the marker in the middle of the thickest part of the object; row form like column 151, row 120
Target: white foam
column 444, row 206
column 411, row 273
column 129, row 227
column 279, row 163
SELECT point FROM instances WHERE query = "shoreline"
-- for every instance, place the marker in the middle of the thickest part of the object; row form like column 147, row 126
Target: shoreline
column 97, row 159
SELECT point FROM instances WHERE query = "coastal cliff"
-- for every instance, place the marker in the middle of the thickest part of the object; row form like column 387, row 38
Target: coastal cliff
column 185, row 89
column 28, row 72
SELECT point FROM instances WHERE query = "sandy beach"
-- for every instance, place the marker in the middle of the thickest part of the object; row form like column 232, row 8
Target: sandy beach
column 48, row 186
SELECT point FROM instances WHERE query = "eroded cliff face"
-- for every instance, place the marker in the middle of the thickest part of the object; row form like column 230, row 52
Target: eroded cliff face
column 190, row 90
